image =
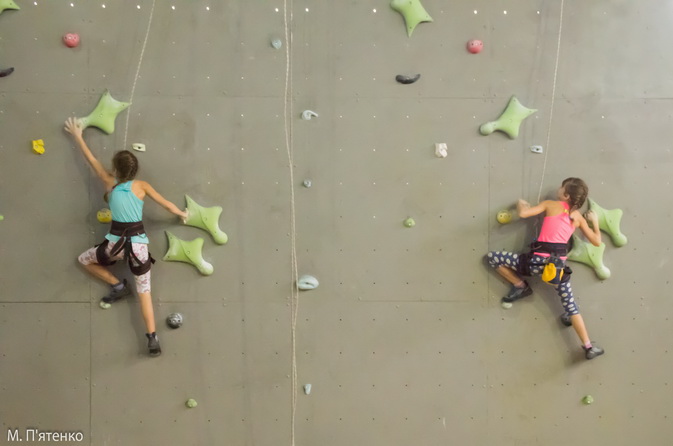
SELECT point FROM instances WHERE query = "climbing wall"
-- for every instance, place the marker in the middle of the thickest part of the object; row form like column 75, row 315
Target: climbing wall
column 404, row 342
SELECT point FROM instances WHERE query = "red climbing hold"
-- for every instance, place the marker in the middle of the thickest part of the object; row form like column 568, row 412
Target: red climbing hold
column 475, row 46
column 71, row 40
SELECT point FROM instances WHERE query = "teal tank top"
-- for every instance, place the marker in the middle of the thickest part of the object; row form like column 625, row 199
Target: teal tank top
column 126, row 208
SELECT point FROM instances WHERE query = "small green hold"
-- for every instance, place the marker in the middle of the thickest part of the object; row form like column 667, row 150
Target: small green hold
column 2, row 217
column 104, row 305
column 588, row 400
column 509, row 121
column 409, row 222
column 191, row 403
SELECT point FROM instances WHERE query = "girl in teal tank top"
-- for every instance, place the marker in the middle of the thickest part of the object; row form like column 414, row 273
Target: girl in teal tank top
column 127, row 238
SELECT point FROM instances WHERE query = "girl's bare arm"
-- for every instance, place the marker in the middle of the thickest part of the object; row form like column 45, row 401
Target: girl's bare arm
column 593, row 233
column 154, row 195
column 525, row 210
column 73, row 127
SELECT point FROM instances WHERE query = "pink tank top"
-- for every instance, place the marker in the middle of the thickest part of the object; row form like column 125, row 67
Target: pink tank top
column 557, row 229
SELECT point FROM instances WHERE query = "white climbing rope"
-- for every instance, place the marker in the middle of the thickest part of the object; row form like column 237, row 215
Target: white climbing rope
column 135, row 79
column 551, row 107
column 294, row 292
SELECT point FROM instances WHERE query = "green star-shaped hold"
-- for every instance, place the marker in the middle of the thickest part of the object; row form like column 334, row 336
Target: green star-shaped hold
column 8, row 4
column 206, row 219
column 412, row 11
column 510, row 120
column 608, row 222
column 188, row 252
column 584, row 252
column 105, row 113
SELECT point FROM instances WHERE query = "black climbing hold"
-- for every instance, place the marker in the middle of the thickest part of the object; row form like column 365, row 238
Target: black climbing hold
column 402, row 79
column 6, row 72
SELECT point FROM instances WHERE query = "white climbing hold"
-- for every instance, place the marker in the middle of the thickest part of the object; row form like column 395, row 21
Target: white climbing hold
column 277, row 43
column 307, row 183
column 307, row 389
column 506, row 305
column 441, row 150
column 307, row 282
column 138, row 146
column 536, row 149
column 308, row 114
column 104, row 305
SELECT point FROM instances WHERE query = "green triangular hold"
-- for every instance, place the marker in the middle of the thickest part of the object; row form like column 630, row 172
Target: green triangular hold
column 609, row 221
column 206, row 219
column 8, row 4
column 105, row 113
column 590, row 255
column 188, row 252
column 412, row 11
column 510, row 120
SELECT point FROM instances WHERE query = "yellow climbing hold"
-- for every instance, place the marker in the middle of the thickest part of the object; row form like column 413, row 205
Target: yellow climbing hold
column 38, row 146
column 104, row 215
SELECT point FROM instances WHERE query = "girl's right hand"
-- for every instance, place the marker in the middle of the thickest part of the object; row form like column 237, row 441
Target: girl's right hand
column 184, row 216
column 73, row 127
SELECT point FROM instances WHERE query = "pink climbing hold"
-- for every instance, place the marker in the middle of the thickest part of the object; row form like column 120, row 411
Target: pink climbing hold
column 475, row 46
column 71, row 40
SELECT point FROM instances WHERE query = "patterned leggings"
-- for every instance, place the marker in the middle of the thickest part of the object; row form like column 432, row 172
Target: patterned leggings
column 536, row 263
column 140, row 249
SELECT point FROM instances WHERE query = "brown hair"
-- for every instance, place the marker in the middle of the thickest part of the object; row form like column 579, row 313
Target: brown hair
column 577, row 191
column 126, row 166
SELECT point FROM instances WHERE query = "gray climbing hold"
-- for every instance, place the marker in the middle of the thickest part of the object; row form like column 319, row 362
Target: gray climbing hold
column 308, row 114
column 307, row 389
column 277, row 43
column 307, row 282
column 174, row 320
column 402, row 79
column 307, row 183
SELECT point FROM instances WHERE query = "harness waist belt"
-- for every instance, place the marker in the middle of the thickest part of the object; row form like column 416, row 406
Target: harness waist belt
column 554, row 249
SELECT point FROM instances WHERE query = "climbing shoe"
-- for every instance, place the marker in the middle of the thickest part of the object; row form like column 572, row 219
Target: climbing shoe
column 565, row 320
column 517, row 293
column 153, row 344
column 115, row 295
column 592, row 352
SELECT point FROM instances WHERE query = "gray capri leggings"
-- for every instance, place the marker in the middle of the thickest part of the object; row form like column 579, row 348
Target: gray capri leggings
column 511, row 260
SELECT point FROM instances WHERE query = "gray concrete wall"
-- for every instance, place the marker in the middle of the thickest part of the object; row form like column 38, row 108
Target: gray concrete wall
column 404, row 342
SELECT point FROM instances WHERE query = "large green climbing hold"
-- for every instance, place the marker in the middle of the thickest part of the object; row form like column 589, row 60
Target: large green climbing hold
column 105, row 113
column 412, row 11
column 585, row 252
column 510, row 120
column 188, row 252
column 8, row 4
column 206, row 219
column 608, row 222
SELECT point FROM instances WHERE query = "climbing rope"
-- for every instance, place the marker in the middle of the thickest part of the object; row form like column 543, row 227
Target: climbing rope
column 551, row 106
column 294, row 291
column 135, row 79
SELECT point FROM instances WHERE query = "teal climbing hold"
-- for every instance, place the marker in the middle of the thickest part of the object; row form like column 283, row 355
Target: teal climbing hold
column 609, row 221
column 412, row 11
column 105, row 113
column 590, row 255
column 510, row 120
column 307, row 282
column 206, row 219
column 188, row 252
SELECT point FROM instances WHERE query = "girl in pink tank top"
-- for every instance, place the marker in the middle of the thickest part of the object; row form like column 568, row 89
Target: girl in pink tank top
column 561, row 218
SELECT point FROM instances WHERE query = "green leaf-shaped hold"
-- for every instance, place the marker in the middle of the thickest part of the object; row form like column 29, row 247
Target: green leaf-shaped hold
column 412, row 11
column 510, row 120
column 609, row 221
column 105, row 113
column 584, row 252
column 8, row 4
column 188, row 252
column 206, row 219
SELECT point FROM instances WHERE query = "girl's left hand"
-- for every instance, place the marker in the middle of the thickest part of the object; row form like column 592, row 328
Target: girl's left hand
column 73, row 127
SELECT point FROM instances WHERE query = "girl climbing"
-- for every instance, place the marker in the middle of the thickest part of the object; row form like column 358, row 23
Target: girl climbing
column 127, row 239
column 549, row 253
